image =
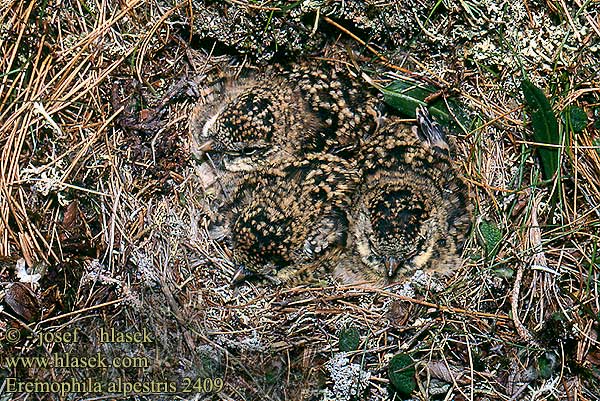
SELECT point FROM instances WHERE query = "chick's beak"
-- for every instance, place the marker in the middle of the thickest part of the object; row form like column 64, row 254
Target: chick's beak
column 206, row 146
column 241, row 275
column 391, row 265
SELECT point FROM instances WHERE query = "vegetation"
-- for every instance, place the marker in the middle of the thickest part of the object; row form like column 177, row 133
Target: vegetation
column 104, row 208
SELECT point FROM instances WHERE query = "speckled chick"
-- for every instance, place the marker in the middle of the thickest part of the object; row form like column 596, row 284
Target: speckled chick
column 347, row 109
column 411, row 210
column 291, row 218
column 254, row 120
column 310, row 107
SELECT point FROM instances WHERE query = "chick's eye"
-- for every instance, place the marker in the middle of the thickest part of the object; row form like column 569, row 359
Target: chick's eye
column 374, row 259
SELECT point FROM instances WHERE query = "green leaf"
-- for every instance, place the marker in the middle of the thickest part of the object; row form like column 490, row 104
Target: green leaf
column 574, row 118
column 401, row 372
column 596, row 142
column 546, row 365
column 558, row 317
column 349, row 339
column 406, row 95
column 491, row 236
column 545, row 127
column 504, row 272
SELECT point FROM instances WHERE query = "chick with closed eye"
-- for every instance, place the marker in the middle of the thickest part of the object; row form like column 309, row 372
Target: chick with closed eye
column 411, row 211
column 310, row 107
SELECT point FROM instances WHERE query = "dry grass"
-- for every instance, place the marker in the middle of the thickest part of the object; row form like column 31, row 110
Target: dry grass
column 100, row 195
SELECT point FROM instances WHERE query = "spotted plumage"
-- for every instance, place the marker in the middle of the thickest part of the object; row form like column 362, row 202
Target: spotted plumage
column 327, row 181
column 290, row 216
column 410, row 212
column 254, row 116
column 311, row 107
column 346, row 108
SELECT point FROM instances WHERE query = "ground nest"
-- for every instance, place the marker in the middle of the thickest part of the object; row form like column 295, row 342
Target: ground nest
column 112, row 287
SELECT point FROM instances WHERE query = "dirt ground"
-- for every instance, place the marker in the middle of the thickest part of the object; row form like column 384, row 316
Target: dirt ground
column 112, row 288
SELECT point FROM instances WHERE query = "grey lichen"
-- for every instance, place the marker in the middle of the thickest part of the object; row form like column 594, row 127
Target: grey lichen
column 294, row 28
column 349, row 379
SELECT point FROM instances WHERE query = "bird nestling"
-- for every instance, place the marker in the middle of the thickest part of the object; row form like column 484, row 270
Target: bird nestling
column 290, row 217
column 348, row 111
column 410, row 212
column 254, row 120
column 285, row 112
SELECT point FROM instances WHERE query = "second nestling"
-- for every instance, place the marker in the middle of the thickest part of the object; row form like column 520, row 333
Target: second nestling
column 290, row 218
